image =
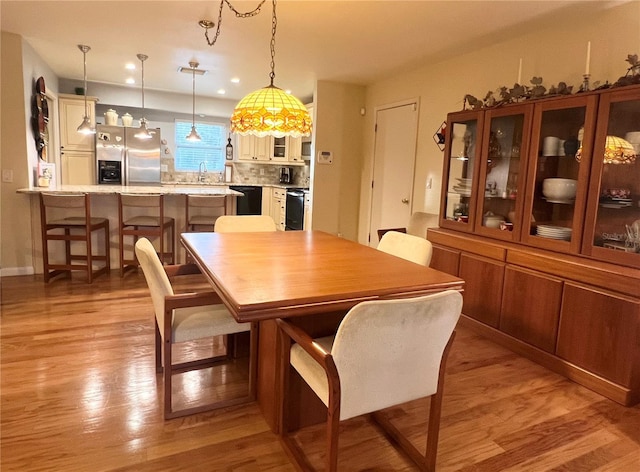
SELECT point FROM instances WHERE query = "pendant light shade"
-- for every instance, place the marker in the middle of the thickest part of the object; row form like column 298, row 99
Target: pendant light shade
column 85, row 127
column 143, row 132
column 271, row 111
column 193, row 135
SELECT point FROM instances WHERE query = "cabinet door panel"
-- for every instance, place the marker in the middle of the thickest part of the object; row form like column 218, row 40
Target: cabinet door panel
column 71, row 115
column 77, row 168
column 483, row 288
column 600, row 332
column 611, row 231
column 531, row 307
column 445, row 260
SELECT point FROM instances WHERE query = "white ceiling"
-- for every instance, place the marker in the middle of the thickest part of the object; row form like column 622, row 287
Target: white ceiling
column 354, row 41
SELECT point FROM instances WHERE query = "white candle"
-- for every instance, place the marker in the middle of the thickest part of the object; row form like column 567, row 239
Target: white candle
column 520, row 72
column 586, row 69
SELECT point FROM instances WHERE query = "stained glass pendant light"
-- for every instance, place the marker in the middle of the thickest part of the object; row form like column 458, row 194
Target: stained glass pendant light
column 271, row 111
column 85, row 127
column 143, row 132
column 193, row 135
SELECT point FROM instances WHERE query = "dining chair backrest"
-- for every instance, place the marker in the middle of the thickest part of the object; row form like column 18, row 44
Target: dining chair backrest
column 154, row 273
column 244, row 224
column 407, row 246
column 388, row 352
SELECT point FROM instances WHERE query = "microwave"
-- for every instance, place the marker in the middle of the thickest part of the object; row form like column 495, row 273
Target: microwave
column 306, row 148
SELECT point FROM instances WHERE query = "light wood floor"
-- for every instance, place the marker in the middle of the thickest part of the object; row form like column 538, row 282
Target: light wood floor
column 80, row 393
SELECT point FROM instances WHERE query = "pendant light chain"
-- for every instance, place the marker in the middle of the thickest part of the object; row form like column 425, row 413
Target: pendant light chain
column 208, row 24
column 274, row 25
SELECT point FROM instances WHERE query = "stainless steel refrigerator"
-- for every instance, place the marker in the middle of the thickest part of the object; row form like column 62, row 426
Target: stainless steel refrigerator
column 130, row 160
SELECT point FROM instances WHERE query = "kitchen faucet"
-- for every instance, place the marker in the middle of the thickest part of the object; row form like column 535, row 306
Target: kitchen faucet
column 202, row 171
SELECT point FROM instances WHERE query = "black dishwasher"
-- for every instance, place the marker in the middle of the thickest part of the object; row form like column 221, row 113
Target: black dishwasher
column 250, row 203
column 294, row 219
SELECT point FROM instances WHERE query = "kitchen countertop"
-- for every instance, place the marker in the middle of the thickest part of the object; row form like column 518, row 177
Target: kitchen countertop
column 141, row 189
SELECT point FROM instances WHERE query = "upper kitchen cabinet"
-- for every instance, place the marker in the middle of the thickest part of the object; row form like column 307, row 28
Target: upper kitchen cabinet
column 77, row 150
column 462, row 152
column 612, row 223
column 270, row 149
column 505, row 144
column 253, row 148
column 558, row 172
column 71, row 115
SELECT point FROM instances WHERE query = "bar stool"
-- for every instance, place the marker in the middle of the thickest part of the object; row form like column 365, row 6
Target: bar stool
column 71, row 213
column 204, row 210
column 144, row 225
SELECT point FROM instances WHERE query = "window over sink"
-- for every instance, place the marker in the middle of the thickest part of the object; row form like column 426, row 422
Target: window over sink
column 210, row 150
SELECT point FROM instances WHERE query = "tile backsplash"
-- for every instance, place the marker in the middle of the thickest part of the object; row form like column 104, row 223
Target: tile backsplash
column 242, row 173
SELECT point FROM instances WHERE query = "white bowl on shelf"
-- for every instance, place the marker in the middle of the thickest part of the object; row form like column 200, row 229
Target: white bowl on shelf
column 557, row 189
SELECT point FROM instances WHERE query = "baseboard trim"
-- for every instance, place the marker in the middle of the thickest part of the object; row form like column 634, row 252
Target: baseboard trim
column 15, row 271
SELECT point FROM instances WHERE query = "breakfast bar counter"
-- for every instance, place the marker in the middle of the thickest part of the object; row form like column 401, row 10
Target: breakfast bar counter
column 104, row 203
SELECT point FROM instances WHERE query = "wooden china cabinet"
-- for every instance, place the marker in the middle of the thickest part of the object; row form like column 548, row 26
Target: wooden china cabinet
column 540, row 215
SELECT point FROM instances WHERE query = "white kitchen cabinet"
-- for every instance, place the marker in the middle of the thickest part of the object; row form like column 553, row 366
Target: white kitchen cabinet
column 78, row 168
column 71, row 115
column 252, row 148
column 294, row 149
column 279, row 149
column 278, row 207
column 77, row 150
column 266, row 200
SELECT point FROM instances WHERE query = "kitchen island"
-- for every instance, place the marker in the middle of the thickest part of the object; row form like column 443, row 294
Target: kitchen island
column 104, row 203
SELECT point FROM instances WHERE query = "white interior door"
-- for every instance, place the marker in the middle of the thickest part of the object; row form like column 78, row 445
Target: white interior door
column 393, row 167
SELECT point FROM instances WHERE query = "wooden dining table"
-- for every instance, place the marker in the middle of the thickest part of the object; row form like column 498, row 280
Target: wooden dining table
column 310, row 276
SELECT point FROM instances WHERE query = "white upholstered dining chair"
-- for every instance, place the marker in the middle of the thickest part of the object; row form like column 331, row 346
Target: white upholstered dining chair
column 384, row 353
column 187, row 317
column 407, row 246
column 244, row 223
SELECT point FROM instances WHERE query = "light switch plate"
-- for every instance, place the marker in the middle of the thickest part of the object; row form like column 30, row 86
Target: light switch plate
column 7, row 175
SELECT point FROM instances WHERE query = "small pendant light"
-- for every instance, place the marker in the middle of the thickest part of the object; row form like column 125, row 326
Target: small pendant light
column 193, row 135
column 143, row 132
column 85, row 127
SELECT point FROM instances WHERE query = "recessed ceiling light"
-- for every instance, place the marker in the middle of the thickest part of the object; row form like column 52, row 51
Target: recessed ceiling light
column 288, row 91
column 235, row 80
column 130, row 66
column 222, row 91
column 131, row 80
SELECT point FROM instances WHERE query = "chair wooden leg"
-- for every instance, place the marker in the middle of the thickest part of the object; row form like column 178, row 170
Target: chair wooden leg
column 88, row 234
column 67, row 246
column 168, row 372
column 158, row 350
column 333, row 426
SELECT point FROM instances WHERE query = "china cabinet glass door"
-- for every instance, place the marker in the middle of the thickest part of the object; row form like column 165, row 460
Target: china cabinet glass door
column 612, row 230
column 558, row 173
column 462, row 151
column 502, row 172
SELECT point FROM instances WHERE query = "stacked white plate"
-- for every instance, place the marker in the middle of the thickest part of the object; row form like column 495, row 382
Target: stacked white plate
column 554, row 232
column 463, row 187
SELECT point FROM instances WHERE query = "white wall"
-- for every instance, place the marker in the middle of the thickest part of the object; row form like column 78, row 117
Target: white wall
column 21, row 66
column 555, row 53
column 339, row 129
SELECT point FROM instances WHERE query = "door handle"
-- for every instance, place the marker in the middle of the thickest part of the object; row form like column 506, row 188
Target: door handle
column 405, row 200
